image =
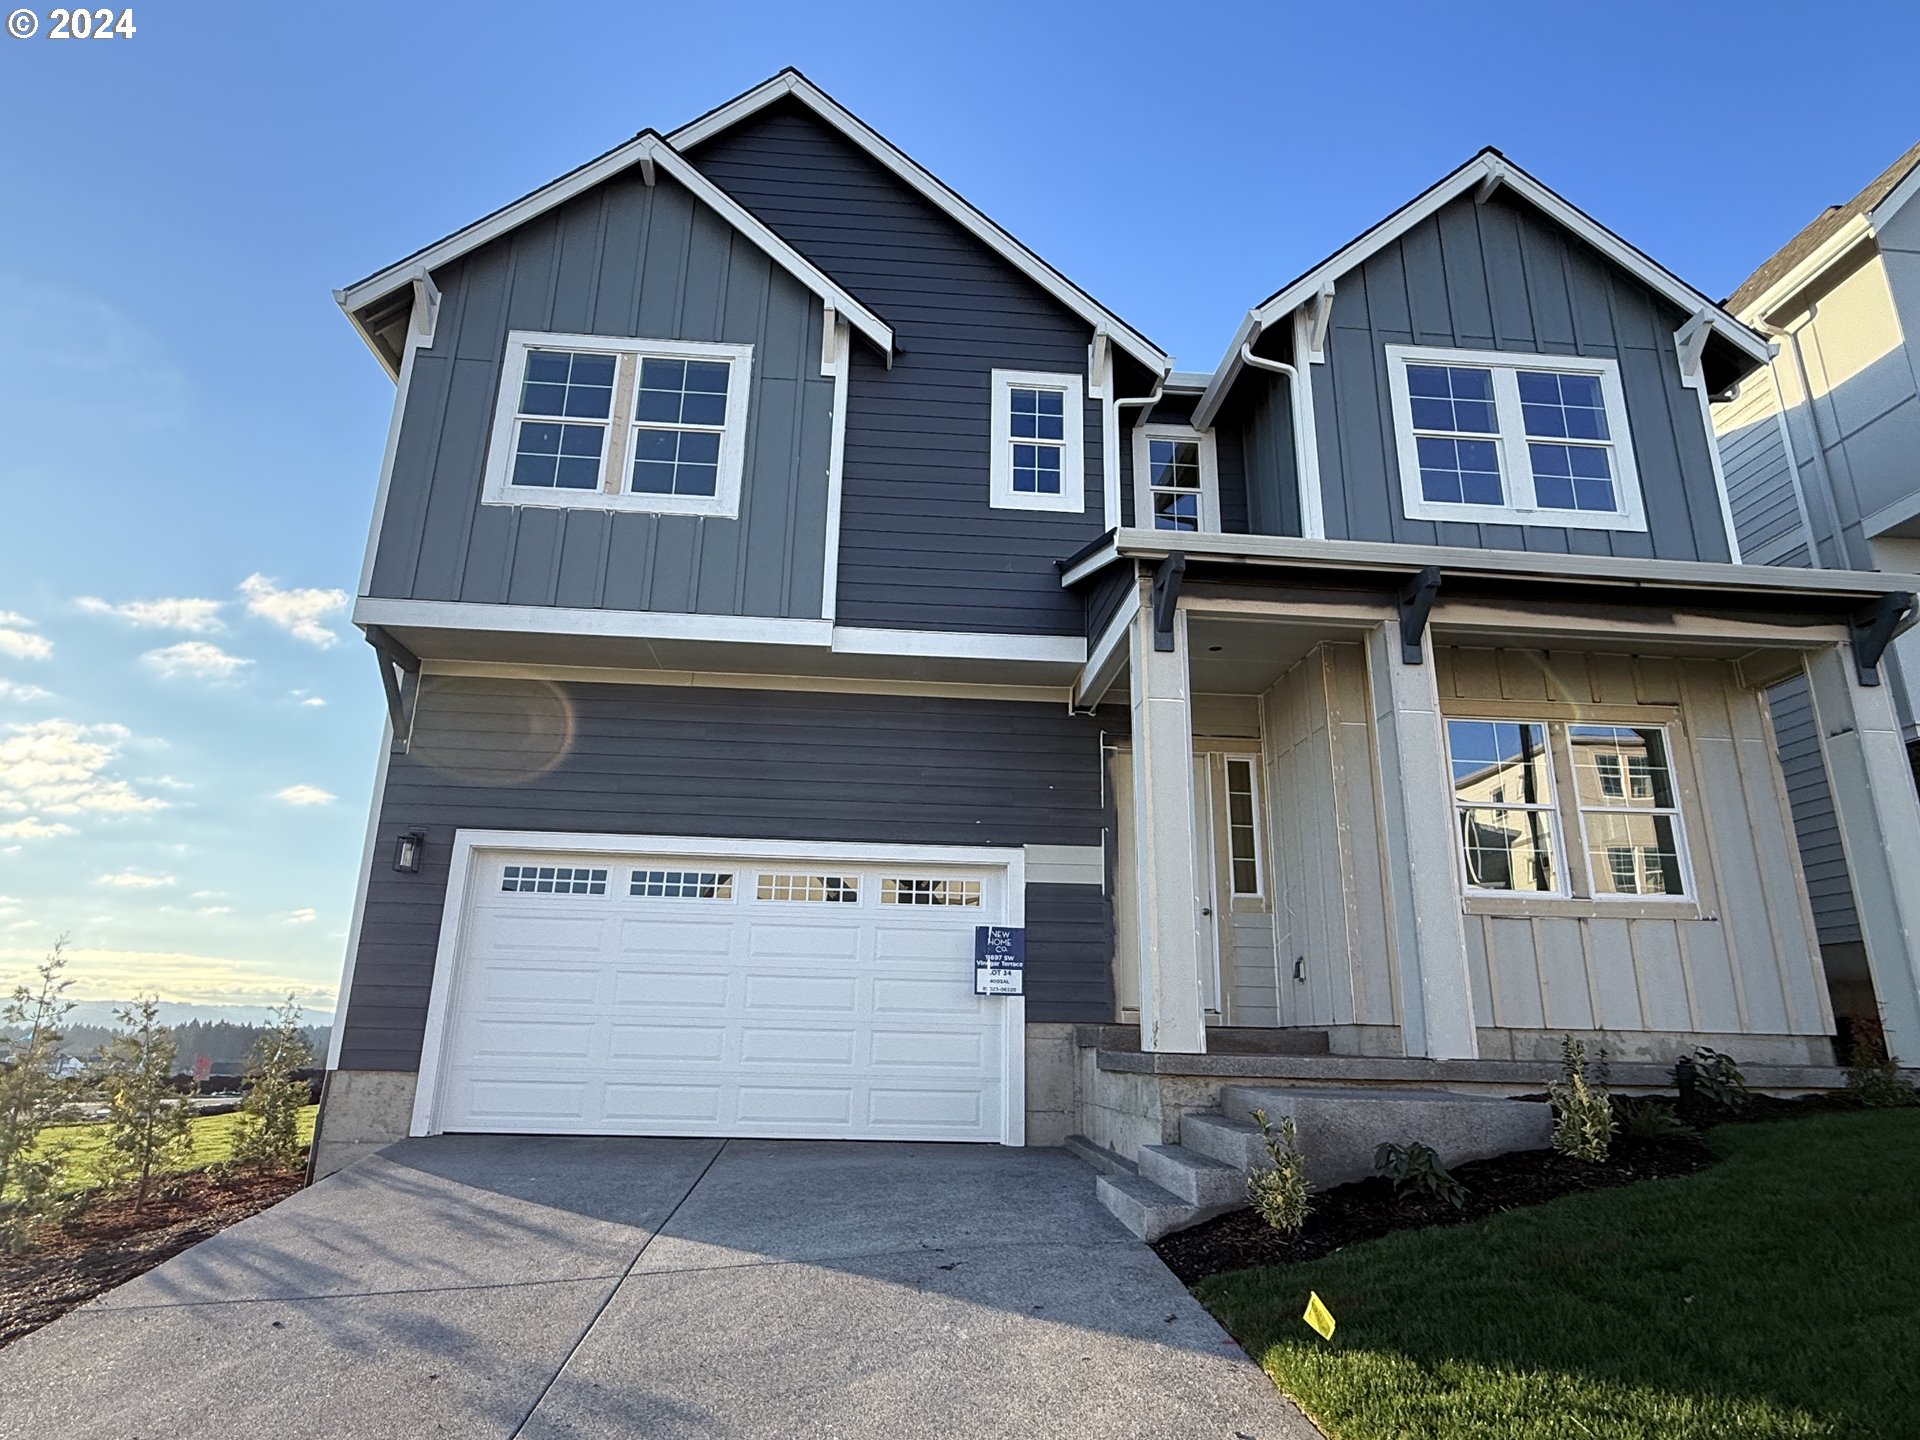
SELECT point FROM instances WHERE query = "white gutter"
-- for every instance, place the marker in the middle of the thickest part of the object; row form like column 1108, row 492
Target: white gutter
column 1296, row 400
column 1148, row 401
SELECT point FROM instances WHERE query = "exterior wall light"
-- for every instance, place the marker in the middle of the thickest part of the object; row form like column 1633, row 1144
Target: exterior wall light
column 406, row 852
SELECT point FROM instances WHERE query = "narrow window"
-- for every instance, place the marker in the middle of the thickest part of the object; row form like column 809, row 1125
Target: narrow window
column 1243, row 827
column 1629, row 812
column 1038, row 460
column 1176, row 479
column 1511, row 844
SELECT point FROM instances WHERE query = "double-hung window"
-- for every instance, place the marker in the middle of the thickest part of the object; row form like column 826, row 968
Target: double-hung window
column 1038, row 438
column 1176, row 479
column 1521, row 787
column 1495, row 438
column 602, row 423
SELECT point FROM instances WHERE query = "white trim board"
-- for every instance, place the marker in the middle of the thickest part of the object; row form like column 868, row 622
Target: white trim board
column 1489, row 167
column 790, row 82
column 745, row 680
column 467, row 844
column 645, row 149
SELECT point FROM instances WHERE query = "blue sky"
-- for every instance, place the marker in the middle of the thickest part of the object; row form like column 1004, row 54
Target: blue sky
column 187, row 418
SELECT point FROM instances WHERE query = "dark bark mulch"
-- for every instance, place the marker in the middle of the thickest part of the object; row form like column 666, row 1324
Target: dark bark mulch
column 110, row 1242
column 1368, row 1209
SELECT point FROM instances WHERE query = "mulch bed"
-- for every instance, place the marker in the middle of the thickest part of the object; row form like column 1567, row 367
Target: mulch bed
column 1368, row 1209
column 110, row 1242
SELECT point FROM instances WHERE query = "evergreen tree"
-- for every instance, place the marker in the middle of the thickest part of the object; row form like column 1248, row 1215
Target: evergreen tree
column 32, row 1096
column 149, row 1127
column 269, row 1128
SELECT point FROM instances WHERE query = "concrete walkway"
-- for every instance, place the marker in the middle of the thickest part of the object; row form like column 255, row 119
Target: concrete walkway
column 506, row 1286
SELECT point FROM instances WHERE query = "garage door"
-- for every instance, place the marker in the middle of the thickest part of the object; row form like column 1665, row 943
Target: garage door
column 724, row 995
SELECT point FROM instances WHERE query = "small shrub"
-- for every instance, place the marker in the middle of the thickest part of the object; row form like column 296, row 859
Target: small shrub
column 1648, row 1119
column 1717, row 1081
column 1278, row 1192
column 1582, row 1112
column 1415, row 1169
column 32, row 1098
column 267, row 1135
column 1873, row 1073
column 148, row 1128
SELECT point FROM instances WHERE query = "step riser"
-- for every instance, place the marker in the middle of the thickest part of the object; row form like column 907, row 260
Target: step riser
column 1197, row 1179
column 1224, row 1140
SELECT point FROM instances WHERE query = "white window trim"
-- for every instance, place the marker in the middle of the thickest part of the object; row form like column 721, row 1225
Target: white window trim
column 616, row 457
column 1072, row 498
column 1143, row 436
column 1516, row 469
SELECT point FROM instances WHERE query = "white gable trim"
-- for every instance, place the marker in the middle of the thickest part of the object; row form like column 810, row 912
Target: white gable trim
column 646, row 150
column 1494, row 170
column 792, row 82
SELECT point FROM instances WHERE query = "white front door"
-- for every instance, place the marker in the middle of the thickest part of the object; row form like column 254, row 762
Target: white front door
column 614, row 994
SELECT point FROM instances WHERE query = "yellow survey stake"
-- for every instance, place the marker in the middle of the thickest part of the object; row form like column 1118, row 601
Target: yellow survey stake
column 1318, row 1316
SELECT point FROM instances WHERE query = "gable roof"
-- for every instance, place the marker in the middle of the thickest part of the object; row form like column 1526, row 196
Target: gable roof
column 1824, row 227
column 1491, row 170
column 646, row 150
column 790, row 82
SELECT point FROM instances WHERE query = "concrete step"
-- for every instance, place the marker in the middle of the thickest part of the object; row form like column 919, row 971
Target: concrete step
column 1142, row 1206
column 1337, row 1129
column 1231, row 1142
column 1107, row 1162
column 1198, row 1179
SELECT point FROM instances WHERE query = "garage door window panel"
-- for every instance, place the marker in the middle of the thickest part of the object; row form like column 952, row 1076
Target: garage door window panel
column 681, row 885
column 810, row 889
column 553, row 880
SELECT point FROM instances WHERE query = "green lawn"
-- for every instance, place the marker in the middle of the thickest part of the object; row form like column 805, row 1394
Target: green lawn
column 212, row 1143
column 1776, row 1293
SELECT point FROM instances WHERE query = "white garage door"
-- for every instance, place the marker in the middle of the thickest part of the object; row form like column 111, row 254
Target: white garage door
column 723, row 995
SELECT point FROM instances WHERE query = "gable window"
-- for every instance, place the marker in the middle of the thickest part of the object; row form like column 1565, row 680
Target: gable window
column 1520, row 787
column 1176, row 479
column 1039, row 444
column 602, row 423
column 1503, row 439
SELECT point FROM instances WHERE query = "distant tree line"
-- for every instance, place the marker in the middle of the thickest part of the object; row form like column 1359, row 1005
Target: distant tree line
column 224, row 1042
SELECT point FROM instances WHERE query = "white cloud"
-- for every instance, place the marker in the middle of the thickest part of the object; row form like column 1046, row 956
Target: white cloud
column 16, row 690
column 305, row 795
column 298, row 612
column 194, row 660
column 300, row 917
column 133, row 880
column 167, row 782
column 304, row 697
column 208, row 895
column 58, row 767
column 105, row 974
column 197, row 909
column 24, row 925
column 18, row 641
column 196, row 617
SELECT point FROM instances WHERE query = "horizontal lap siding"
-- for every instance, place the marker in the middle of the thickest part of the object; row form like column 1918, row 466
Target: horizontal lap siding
column 1760, row 480
column 920, row 545
column 1821, row 855
column 623, row 260
column 776, row 765
column 1500, row 276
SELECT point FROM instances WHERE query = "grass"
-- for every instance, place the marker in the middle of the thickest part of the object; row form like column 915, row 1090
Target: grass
column 1774, row 1294
column 84, row 1145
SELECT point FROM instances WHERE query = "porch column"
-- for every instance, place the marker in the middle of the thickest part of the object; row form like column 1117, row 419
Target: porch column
column 1172, row 1014
column 1879, row 817
column 1424, row 915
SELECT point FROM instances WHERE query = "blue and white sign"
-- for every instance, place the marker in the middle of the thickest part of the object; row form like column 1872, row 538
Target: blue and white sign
column 999, row 960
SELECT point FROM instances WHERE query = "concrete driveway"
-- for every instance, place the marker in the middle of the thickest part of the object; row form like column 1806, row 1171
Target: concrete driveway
column 480, row 1286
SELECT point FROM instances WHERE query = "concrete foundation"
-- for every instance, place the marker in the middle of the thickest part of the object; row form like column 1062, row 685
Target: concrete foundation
column 1658, row 1047
column 1053, row 1104
column 360, row 1111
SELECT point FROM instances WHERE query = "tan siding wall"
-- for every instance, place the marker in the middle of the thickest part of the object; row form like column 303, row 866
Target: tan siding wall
column 1744, row 961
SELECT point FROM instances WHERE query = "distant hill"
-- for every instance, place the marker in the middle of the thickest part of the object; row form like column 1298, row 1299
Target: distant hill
column 174, row 1012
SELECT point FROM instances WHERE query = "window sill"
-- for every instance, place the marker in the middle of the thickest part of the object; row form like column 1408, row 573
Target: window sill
column 1507, row 515
column 697, row 506
column 1577, row 907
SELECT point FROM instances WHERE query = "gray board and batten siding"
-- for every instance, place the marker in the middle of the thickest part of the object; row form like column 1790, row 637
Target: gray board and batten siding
column 1500, row 276
column 494, row 754
column 622, row 260
column 920, row 546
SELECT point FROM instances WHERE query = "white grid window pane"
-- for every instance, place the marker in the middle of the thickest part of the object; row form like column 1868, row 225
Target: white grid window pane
column 681, row 884
column 1558, row 406
column 1036, row 469
column 1456, row 399
column 1504, row 804
column 909, row 891
column 1243, row 833
column 1037, row 414
column 810, row 889
column 1573, row 477
column 553, row 880
column 568, row 384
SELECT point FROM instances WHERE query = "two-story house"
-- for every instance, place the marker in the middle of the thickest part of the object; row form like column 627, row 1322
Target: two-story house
column 779, row 572
column 1822, row 456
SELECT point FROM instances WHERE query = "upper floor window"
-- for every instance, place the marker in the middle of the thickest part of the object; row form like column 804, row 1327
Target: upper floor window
column 1495, row 438
column 1176, row 480
column 1039, row 443
column 652, row 425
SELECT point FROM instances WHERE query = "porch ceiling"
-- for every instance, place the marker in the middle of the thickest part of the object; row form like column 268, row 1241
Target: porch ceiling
column 1245, row 657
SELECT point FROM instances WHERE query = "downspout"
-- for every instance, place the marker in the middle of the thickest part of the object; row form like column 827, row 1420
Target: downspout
column 1149, row 400
column 1296, row 403
column 1791, row 338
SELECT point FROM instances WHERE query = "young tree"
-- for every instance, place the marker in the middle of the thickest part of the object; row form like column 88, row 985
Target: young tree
column 269, row 1129
column 149, row 1127
column 32, row 1096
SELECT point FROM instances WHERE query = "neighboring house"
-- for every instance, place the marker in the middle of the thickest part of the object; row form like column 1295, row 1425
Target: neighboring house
column 778, row 572
column 1822, row 455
